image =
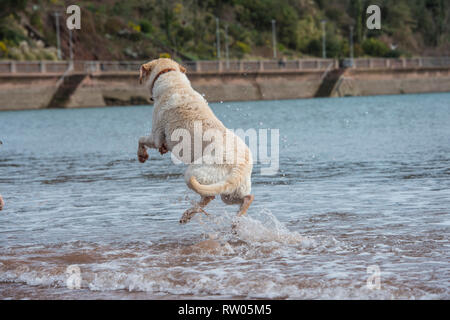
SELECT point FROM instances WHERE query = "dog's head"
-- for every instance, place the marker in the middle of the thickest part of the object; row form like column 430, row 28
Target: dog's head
column 151, row 69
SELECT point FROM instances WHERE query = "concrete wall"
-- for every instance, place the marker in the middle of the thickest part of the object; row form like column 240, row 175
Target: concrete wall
column 103, row 89
column 34, row 91
column 18, row 92
column 384, row 82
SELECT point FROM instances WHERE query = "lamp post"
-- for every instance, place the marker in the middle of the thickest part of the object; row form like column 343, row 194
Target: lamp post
column 58, row 40
column 218, row 38
column 352, row 53
column 324, row 39
column 226, row 47
column 274, row 38
column 70, row 45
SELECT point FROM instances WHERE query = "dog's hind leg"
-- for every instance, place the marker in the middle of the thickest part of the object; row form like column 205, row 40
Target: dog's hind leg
column 188, row 214
column 246, row 202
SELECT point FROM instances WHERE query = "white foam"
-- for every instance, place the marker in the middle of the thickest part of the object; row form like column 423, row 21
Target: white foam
column 267, row 230
column 225, row 281
column 262, row 227
column 259, row 258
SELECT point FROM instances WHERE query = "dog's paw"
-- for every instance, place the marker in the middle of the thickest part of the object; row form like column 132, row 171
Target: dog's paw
column 142, row 155
column 184, row 220
column 235, row 224
column 163, row 149
column 187, row 216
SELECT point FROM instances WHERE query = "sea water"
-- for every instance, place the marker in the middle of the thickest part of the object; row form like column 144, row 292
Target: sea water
column 359, row 209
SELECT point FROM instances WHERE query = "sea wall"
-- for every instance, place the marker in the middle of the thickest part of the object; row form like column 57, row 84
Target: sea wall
column 98, row 89
column 357, row 82
column 18, row 92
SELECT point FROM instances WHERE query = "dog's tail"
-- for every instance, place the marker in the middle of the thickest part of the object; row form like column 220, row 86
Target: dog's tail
column 227, row 186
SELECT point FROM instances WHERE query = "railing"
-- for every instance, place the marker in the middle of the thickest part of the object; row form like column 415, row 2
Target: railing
column 241, row 66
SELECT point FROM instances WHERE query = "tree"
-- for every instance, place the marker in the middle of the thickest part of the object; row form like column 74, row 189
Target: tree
column 8, row 7
column 356, row 12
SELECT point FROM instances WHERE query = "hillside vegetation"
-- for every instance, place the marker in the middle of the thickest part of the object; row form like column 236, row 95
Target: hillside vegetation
column 186, row 29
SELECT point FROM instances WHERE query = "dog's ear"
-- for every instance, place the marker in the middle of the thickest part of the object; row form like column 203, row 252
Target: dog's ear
column 182, row 69
column 144, row 72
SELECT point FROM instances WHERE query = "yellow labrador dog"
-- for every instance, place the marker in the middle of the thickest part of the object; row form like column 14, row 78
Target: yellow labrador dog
column 178, row 107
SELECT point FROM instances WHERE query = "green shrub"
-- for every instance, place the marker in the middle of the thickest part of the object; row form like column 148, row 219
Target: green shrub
column 307, row 30
column 12, row 33
column 242, row 48
column 375, row 48
column 50, row 54
column 335, row 47
column 36, row 21
column 314, row 47
column 358, row 51
column 146, row 27
column 3, row 50
column 185, row 34
column 394, row 54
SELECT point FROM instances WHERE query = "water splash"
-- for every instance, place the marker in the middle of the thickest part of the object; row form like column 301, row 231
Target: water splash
column 258, row 228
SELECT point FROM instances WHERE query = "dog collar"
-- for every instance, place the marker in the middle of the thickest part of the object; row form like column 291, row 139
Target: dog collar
column 156, row 78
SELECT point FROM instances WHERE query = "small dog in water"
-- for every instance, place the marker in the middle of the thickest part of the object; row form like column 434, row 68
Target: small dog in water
column 178, row 106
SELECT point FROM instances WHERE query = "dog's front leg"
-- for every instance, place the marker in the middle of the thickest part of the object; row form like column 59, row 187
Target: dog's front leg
column 160, row 140
column 142, row 151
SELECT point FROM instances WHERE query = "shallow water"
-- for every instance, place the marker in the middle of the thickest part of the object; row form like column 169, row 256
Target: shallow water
column 362, row 182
